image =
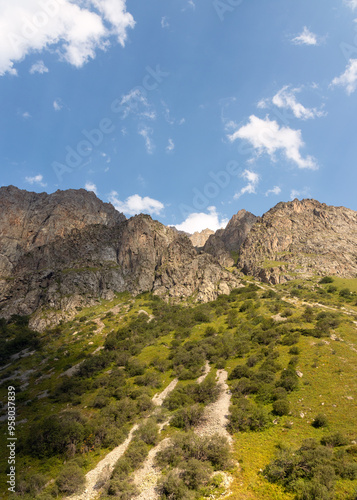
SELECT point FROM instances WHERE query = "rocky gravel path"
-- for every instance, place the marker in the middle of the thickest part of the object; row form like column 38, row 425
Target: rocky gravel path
column 216, row 414
column 105, row 467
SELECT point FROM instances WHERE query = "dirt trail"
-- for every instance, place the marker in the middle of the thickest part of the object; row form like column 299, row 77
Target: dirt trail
column 216, row 414
column 158, row 399
column 204, row 375
column 105, row 467
column 147, row 477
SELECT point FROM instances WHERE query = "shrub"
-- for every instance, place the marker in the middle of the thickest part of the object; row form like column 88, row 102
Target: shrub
column 122, row 489
column 294, row 350
column 172, row 487
column 196, row 473
column 148, row 432
column 248, row 416
column 336, row 439
column 345, row 293
column 71, row 479
column 326, row 279
column 281, row 407
column 186, row 418
column 320, row 421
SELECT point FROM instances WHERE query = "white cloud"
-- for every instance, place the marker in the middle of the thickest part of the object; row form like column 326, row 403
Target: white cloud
column 37, row 179
column 286, row 99
column 267, row 136
column 57, row 105
column 135, row 204
column 351, row 3
column 89, row 186
column 306, row 37
column 200, row 221
column 134, row 102
column 26, row 115
column 38, row 67
column 275, row 190
column 253, row 180
column 164, row 22
column 170, row 147
column 299, row 193
column 349, row 78
column 73, row 29
column 146, row 133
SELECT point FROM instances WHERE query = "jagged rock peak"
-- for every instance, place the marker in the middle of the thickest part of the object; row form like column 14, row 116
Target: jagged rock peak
column 29, row 220
column 199, row 238
column 301, row 238
column 225, row 243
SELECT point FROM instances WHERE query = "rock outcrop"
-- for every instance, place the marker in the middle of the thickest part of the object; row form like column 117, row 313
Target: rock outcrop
column 75, row 261
column 29, row 220
column 225, row 243
column 301, row 239
column 198, row 239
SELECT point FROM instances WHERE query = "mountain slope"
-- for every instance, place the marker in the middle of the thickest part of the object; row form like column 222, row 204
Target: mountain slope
column 95, row 262
column 30, row 220
column 227, row 242
column 301, row 238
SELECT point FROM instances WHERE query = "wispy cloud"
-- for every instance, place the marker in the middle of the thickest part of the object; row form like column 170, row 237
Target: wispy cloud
column 285, row 98
column 200, row 221
column 348, row 79
column 76, row 30
column 135, row 204
column 275, row 190
column 266, row 136
column 37, row 179
column 306, row 37
column 253, row 179
column 26, row 115
column 170, row 147
column 351, row 3
column 57, row 105
column 164, row 22
column 299, row 193
column 146, row 133
column 38, row 67
column 134, row 102
column 90, row 186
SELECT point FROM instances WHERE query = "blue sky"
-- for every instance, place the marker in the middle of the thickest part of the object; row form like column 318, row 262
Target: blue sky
column 189, row 110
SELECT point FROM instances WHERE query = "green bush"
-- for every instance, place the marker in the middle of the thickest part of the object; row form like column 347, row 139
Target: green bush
column 336, row 439
column 326, row 279
column 320, row 421
column 71, row 479
column 281, row 407
column 122, row 489
column 148, row 432
column 196, row 473
column 186, row 418
column 172, row 487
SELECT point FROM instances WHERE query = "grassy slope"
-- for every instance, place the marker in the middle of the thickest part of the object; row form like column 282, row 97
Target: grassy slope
column 328, row 384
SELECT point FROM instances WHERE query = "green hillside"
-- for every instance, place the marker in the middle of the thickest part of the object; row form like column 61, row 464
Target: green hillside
column 291, row 356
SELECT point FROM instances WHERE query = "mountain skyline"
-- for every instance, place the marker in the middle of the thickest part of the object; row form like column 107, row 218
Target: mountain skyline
column 188, row 111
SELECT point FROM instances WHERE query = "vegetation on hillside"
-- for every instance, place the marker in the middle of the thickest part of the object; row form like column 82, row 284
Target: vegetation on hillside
column 290, row 352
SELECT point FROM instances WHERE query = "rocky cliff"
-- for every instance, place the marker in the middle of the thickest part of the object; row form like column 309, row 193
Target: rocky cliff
column 30, row 220
column 199, row 238
column 225, row 243
column 90, row 252
column 301, row 239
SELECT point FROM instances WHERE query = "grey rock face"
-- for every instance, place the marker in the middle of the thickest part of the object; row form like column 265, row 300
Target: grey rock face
column 300, row 239
column 77, row 266
column 227, row 242
column 30, row 220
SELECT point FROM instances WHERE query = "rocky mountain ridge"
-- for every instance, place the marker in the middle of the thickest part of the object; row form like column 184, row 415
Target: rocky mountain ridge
column 301, row 239
column 67, row 250
column 93, row 260
column 225, row 243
